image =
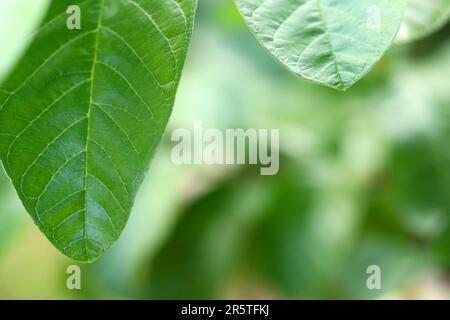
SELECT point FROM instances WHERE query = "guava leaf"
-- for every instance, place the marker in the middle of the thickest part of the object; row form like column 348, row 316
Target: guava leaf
column 82, row 114
column 331, row 42
column 423, row 17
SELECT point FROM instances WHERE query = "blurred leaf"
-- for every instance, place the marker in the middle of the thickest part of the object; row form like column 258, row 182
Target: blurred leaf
column 267, row 231
column 204, row 249
column 113, row 80
column 334, row 43
column 286, row 247
column 423, row 17
column 18, row 18
column 11, row 215
column 420, row 172
column 303, row 241
column 399, row 261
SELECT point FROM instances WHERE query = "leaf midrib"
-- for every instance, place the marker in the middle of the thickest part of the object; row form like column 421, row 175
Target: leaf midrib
column 88, row 119
column 327, row 32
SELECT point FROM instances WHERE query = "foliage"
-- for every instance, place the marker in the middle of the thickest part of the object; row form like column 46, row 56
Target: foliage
column 115, row 81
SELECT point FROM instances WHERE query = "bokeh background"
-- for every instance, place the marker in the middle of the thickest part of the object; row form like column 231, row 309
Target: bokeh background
column 364, row 179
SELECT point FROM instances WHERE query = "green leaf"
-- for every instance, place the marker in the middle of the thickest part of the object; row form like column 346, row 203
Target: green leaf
column 82, row 114
column 423, row 17
column 17, row 19
column 331, row 42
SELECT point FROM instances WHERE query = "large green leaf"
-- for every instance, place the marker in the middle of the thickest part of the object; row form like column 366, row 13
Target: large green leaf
column 332, row 42
column 82, row 114
column 423, row 17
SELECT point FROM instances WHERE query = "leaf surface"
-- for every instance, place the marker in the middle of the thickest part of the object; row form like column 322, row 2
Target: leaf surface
column 82, row 114
column 332, row 42
column 423, row 17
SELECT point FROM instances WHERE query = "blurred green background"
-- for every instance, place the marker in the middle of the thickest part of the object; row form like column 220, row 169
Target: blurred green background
column 364, row 179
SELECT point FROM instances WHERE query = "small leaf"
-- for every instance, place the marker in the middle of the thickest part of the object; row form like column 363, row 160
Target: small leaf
column 332, row 42
column 82, row 114
column 423, row 17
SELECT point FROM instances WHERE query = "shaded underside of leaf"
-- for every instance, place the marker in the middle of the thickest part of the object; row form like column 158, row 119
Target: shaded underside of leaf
column 331, row 42
column 423, row 17
column 83, row 112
